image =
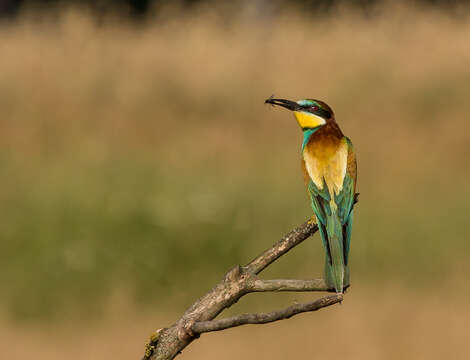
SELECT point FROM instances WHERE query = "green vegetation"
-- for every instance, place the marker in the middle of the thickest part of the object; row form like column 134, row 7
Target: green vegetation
column 143, row 160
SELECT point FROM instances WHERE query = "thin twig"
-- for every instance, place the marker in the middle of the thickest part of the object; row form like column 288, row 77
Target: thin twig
column 287, row 285
column 263, row 318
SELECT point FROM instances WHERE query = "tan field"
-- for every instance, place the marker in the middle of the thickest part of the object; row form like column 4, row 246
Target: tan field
column 139, row 159
column 391, row 324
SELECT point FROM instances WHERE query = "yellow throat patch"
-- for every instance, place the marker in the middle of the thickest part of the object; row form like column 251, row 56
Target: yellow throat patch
column 308, row 120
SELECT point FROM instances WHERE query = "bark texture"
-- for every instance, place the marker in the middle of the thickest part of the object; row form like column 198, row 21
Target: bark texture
column 167, row 343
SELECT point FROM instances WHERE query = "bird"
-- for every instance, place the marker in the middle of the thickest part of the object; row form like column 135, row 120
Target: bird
column 330, row 173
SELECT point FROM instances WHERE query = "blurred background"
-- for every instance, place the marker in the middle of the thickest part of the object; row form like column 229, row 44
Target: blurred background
column 139, row 163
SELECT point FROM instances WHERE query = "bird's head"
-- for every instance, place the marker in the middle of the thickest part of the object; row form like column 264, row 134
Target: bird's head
column 310, row 113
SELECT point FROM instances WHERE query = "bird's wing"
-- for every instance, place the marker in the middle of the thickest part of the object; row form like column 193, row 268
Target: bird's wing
column 344, row 200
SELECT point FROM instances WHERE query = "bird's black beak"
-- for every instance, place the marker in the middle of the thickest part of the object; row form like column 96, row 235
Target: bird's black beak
column 291, row 105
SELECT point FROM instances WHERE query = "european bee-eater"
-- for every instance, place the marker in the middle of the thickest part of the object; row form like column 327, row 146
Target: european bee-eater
column 329, row 166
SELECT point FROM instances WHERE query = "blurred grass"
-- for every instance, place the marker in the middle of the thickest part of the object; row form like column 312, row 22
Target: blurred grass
column 141, row 159
column 371, row 324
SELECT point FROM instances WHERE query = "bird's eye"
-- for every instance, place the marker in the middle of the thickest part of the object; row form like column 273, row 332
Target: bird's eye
column 314, row 108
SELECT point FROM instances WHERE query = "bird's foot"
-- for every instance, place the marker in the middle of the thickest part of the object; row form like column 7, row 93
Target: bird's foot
column 313, row 220
column 333, row 290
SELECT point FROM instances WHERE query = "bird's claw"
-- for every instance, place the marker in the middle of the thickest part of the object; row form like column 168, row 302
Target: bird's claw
column 312, row 221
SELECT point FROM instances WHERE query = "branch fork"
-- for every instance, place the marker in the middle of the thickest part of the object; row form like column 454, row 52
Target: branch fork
column 237, row 282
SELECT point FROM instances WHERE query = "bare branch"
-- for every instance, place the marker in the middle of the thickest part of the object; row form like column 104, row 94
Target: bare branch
column 169, row 342
column 294, row 238
column 287, row 285
column 263, row 318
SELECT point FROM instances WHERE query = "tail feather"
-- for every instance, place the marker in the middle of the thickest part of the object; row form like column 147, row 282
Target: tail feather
column 335, row 225
column 335, row 266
